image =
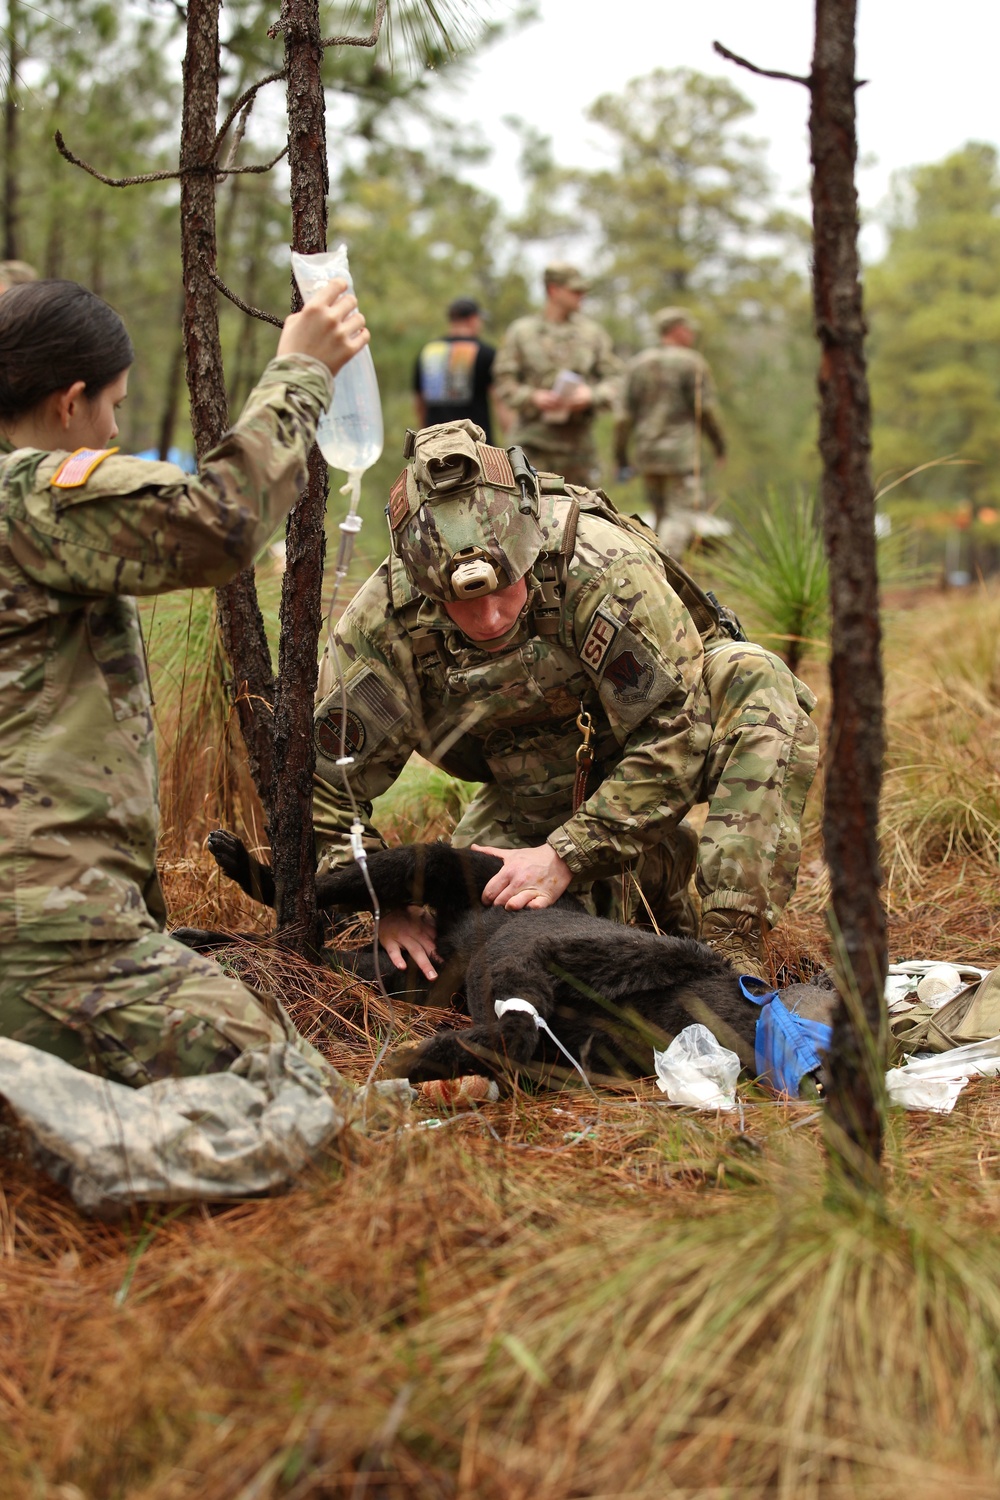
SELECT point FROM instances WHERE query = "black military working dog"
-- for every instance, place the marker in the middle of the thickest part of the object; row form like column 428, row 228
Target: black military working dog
column 609, row 992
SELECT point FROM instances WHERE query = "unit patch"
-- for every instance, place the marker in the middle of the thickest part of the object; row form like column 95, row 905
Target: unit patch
column 598, row 641
column 77, row 469
column 631, row 679
column 496, row 466
column 399, row 506
column 332, row 742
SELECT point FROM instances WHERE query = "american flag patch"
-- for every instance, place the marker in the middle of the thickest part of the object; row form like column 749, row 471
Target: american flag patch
column 77, row 469
column 371, row 694
column 496, row 466
column 399, row 506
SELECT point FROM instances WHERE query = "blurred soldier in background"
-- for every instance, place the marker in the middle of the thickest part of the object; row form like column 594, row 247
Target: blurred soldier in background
column 555, row 370
column 668, row 401
column 15, row 273
column 453, row 374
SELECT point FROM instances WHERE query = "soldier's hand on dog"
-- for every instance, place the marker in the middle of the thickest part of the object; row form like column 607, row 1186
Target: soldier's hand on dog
column 329, row 327
column 408, row 929
column 530, row 877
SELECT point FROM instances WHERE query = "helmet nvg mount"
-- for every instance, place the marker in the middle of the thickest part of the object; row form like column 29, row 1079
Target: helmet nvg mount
column 463, row 515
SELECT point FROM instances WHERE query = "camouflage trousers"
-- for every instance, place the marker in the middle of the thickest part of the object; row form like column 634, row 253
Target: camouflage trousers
column 135, row 1011
column 758, row 771
column 675, row 500
column 760, row 765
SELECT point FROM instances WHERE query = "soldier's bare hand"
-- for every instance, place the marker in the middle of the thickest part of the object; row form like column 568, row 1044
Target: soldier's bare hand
column 329, row 327
column 579, row 398
column 546, row 400
column 408, row 929
column 529, row 878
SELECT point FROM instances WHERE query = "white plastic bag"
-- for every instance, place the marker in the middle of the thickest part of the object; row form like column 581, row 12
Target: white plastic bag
column 696, row 1069
column 935, row 1082
column 350, row 434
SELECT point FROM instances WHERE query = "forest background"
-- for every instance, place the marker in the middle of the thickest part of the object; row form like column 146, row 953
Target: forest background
column 685, row 210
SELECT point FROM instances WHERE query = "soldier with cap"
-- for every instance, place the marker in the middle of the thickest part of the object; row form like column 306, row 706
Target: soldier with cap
column 15, row 273
column 668, row 401
column 523, row 635
column 86, row 969
column 452, row 375
column 555, row 370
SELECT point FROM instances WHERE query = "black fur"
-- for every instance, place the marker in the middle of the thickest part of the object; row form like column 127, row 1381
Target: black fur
column 609, row 992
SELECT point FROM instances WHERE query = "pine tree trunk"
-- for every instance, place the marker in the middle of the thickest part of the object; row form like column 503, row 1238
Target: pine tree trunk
column 292, row 845
column 11, row 212
column 856, row 742
column 240, row 620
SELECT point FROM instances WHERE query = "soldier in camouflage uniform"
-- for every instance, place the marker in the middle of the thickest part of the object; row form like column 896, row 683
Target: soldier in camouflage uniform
column 515, row 614
column 533, row 377
column 86, row 971
column 668, row 401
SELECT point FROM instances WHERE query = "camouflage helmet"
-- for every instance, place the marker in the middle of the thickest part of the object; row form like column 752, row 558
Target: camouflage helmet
column 463, row 515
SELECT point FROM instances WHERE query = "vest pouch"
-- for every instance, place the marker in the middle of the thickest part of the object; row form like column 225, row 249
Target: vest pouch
column 534, row 774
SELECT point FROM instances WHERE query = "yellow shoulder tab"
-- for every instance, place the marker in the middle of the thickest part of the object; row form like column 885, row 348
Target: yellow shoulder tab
column 77, row 469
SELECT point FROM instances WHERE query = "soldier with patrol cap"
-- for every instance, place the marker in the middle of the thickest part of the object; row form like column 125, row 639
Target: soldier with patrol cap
column 523, row 635
column 555, row 370
column 668, row 401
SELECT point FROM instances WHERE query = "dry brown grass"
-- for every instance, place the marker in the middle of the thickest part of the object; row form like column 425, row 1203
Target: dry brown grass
column 556, row 1297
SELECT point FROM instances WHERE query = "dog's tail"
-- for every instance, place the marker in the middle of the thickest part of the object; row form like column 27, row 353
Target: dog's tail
column 434, row 875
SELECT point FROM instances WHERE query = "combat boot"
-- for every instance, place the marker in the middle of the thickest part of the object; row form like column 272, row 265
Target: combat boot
column 741, row 937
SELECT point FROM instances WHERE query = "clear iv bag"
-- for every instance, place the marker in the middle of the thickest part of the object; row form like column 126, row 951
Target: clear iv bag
column 350, row 433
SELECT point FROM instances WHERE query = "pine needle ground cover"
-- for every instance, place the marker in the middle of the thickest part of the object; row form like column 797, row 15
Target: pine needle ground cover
column 557, row 1296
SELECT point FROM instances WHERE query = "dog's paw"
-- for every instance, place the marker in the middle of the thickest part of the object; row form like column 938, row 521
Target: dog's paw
column 229, row 853
column 201, row 939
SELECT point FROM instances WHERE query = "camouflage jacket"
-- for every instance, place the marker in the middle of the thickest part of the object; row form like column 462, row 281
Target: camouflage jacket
column 668, row 393
column 530, row 357
column 622, row 645
column 78, row 780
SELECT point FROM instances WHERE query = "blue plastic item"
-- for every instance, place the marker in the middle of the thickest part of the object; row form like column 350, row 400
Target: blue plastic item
column 787, row 1048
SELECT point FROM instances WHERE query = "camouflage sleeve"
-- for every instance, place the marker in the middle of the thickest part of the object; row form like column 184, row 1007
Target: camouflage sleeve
column 382, row 727
column 135, row 527
column 510, row 387
column 640, row 645
column 606, row 374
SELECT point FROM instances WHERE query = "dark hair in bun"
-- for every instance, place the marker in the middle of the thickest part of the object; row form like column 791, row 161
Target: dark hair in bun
column 53, row 333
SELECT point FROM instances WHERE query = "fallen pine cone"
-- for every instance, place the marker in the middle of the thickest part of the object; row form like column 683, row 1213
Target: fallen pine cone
column 460, row 1092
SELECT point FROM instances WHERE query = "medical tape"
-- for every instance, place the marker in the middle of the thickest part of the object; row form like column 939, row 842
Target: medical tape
column 502, row 1006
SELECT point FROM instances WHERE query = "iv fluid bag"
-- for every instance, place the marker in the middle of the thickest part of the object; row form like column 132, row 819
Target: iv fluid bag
column 350, row 433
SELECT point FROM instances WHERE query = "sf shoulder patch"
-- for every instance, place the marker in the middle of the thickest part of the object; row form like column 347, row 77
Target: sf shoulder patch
column 399, row 506
column 599, row 640
column 77, row 469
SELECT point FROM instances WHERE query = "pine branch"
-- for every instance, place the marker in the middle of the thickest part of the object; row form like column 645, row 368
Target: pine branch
column 253, row 312
column 762, row 72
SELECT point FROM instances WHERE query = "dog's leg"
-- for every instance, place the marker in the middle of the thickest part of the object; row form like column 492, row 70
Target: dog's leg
column 489, row 1050
column 234, row 860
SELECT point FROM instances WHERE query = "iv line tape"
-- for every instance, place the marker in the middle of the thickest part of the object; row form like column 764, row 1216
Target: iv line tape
column 502, row 1006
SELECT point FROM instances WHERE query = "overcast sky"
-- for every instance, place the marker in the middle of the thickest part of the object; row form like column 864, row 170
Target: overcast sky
column 932, row 67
